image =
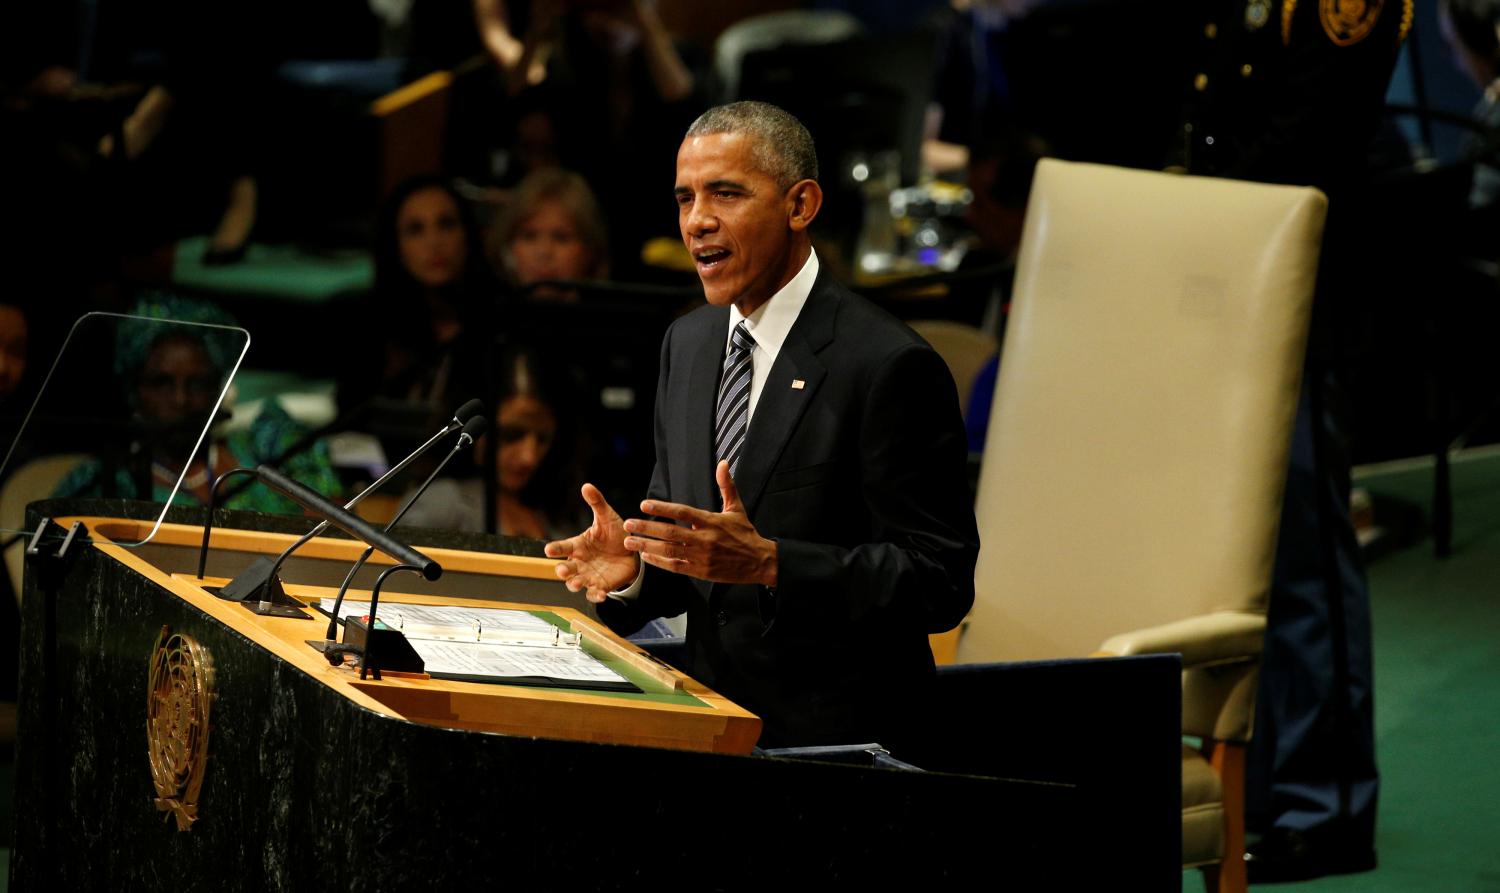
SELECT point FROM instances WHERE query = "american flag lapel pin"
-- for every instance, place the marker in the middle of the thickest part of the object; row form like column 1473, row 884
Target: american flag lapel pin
column 798, row 384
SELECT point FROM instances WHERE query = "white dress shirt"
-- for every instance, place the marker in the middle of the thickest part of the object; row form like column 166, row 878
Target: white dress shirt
column 770, row 323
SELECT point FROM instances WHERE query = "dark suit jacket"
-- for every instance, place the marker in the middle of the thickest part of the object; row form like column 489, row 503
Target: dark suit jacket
column 859, row 475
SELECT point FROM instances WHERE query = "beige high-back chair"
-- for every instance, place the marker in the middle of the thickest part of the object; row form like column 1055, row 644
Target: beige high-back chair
column 1131, row 484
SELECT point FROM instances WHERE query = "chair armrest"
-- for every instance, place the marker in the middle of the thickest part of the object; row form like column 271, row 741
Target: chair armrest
column 1205, row 640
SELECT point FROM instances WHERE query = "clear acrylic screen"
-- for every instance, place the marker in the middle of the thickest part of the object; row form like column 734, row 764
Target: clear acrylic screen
column 124, row 412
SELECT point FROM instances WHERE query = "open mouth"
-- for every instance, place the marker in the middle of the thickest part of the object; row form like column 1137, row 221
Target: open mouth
column 710, row 258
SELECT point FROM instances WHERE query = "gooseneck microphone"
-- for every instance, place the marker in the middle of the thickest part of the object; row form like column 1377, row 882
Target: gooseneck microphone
column 259, row 576
column 213, row 503
column 346, row 521
column 395, row 651
column 474, row 430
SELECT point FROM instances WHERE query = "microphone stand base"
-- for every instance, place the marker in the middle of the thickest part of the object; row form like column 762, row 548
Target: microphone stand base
column 259, row 592
column 253, row 582
column 275, row 609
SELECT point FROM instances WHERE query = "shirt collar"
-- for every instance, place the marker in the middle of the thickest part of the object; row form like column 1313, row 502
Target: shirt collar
column 771, row 321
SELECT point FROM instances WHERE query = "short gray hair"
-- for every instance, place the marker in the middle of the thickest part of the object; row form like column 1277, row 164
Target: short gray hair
column 781, row 146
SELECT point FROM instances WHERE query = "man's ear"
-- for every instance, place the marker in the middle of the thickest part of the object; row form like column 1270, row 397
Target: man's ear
column 805, row 198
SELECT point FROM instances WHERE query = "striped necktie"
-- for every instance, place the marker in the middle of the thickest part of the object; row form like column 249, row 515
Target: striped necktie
column 732, row 418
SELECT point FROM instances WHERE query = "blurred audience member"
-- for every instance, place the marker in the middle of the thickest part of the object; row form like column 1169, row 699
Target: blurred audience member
column 187, row 152
column 15, row 332
column 172, row 377
column 553, row 229
column 498, row 26
column 433, row 302
column 1001, row 167
column 531, row 460
column 62, row 87
column 617, row 27
column 1472, row 29
column 972, row 87
column 15, row 351
column 603, row 80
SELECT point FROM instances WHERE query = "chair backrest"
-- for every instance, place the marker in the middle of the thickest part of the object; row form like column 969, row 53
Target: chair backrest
column 775, row 29
column 1137, row 447
column 863, row 95
column 28, row 483
column 963, row 347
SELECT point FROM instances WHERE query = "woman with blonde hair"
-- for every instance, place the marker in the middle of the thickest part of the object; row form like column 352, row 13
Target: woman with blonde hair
column 553, row 230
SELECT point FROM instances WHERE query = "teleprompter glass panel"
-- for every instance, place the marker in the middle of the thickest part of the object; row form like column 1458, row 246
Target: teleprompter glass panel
column 126, row 411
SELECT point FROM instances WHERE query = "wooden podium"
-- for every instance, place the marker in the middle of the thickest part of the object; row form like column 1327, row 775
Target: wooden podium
column 169, row 739
column 671, row 711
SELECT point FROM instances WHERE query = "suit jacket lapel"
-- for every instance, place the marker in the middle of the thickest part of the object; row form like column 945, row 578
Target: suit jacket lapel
column 783, row 400
column 703, row 394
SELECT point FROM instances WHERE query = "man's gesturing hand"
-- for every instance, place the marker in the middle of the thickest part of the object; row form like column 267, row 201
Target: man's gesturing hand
column 723, row 547
column 596, row 561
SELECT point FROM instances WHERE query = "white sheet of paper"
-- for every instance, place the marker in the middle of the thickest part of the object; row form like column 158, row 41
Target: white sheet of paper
column 479, row 659
column 397, row 615
column 446, row 637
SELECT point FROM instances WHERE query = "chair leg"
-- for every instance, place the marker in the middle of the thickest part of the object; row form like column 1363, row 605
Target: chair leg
column 1211, row 877
column 1228, row 760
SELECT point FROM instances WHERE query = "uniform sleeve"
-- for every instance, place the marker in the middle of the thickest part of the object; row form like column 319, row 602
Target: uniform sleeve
column 1326, row 103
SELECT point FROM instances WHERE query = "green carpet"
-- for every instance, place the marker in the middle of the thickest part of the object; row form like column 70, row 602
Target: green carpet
column 1437, row 665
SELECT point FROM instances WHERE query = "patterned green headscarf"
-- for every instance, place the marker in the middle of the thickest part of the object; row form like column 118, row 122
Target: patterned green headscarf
column 134, row 338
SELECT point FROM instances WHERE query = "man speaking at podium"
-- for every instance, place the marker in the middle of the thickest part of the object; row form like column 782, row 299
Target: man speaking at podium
column 809, row 507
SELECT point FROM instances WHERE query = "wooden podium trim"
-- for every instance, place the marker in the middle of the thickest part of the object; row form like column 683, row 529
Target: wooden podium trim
column 262, row 543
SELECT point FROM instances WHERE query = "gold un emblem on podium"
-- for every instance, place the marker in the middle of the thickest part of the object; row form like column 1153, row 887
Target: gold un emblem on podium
column 178, row 698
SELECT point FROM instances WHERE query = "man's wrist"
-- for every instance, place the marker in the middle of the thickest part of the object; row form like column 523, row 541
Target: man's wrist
column 630, row 590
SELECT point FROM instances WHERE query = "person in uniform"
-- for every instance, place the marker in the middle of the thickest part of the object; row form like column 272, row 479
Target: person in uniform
column 1292, row 91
